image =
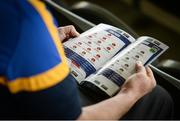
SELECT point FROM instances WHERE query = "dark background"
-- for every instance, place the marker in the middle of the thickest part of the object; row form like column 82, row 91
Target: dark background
column 132, row 13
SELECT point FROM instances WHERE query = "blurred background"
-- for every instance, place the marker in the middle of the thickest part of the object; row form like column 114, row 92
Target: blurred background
column 157, row 18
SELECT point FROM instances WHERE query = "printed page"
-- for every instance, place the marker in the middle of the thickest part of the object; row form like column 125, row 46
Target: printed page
column 93, row 48
column 111, row 77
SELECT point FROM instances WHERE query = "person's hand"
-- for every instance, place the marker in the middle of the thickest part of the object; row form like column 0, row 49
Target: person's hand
column 140, row 83
column 67, row 32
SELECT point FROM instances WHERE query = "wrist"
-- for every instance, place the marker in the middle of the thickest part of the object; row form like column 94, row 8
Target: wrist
column 130, row 94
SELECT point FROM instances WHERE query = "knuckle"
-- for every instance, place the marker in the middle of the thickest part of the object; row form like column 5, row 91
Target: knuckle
column 60, row 28
column 71, row 26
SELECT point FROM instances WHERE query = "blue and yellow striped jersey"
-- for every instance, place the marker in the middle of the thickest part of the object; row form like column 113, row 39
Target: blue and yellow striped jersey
column 31, row 54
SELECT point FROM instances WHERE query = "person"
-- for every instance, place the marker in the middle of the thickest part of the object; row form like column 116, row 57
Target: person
column 35, row 82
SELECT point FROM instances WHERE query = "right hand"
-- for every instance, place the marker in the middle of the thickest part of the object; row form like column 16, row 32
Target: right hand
column 140, row 83
column 67, row 32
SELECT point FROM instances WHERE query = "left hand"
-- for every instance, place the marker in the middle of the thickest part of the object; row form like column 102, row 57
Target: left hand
column 141, row 82
column 67, row 32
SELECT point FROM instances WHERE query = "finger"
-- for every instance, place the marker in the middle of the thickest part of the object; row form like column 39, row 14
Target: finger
column 149, row 72
column 62, row 36
column 140, row 68
column 67, row 32
column 73, row 31
column 151, row 76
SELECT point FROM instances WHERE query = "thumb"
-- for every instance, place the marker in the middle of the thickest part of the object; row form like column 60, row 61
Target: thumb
column 139, row 67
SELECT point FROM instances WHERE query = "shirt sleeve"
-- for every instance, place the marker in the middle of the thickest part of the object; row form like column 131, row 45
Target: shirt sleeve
column 8, row 32
column 38, row 61
column 36, row 71
column 54, row 103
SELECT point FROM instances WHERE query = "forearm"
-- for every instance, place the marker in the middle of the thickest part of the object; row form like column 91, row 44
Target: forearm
column 113, row 108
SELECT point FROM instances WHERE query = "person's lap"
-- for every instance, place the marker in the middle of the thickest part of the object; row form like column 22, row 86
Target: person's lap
column 156, row 105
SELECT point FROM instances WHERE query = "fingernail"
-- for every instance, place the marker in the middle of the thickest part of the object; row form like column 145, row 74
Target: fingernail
column 139, row 63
